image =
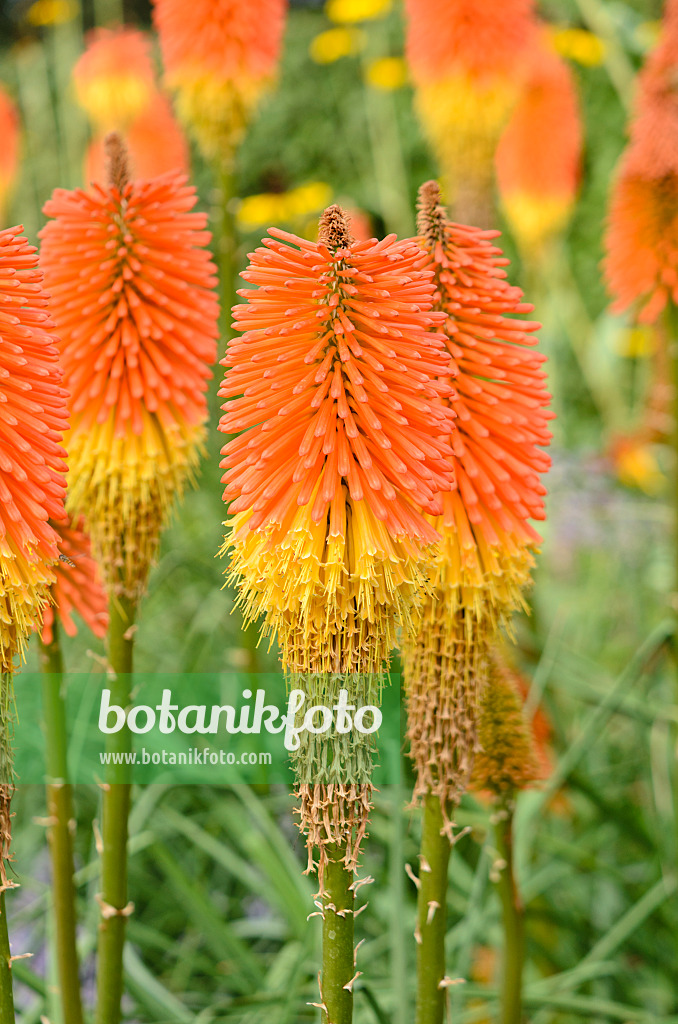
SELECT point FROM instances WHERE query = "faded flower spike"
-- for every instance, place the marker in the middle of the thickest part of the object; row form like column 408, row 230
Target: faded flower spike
column 132, row 287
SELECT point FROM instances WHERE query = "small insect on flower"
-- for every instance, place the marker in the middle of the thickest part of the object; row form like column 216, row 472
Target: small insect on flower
column 68, row 561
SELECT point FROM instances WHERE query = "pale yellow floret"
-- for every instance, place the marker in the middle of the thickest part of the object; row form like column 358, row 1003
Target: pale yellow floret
column 25, row 579
column 218, row 111
column 463, row 118
column 126, row 488
column 535, row 220
column 114, row 101
column 333, row 600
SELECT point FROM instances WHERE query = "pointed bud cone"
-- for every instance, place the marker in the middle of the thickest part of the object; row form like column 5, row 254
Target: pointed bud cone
column 537, row 181
column 641, row 241
column 155, row 142
column 219, row 56
column 9, row 150
column 114, row 79
column 33, row 418
column 337, row 383
column 506, row 760
column 78, row 587
column 132, row 288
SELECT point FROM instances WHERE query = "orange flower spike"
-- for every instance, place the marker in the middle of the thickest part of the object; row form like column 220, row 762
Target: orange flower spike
column 466, row 61
column 486, row 552
column 114, row 79
column 9, row 151
column 33, row 418
column 341, row 383
column 219, row 56
column 641, row 241
column 78, row 587
column 537, row 182
column 502, row 407
column 132, row 288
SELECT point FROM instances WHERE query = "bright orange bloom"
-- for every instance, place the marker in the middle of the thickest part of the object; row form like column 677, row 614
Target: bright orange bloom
column 219, row 56
column 337, row 384
column 466, row 60
column 538, row 177
column 132, row 288
column 114, row 79
column 9, row 150
column 78, row 586
column 155, row 142
column 342, row 444
column 485, row 555
column 33, row 418
column 641, row 263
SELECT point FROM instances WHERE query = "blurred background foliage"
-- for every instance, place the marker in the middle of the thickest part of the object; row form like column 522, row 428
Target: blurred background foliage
column 220, row 929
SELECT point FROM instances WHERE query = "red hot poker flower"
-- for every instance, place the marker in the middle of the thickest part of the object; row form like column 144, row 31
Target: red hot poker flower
column 33, row 419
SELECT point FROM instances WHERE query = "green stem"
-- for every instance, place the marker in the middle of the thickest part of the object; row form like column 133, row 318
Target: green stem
column 6, row 996
column 513, row 920
column 432, row 914
column 60, row 815
column 116, row 806
column 338, row 955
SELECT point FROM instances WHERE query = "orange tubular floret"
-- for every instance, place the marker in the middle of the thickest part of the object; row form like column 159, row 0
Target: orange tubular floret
column 33, row 419
column 78, row 587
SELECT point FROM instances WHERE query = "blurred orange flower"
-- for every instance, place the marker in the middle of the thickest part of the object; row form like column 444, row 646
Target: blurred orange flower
column 114, row 79
column 9, row 150
column 33, row 418
column 132, row 288
column 538, row 177
column 641, row 262
column 219, row 56
column 155, row 142
column 466, row 61
column 78, row 585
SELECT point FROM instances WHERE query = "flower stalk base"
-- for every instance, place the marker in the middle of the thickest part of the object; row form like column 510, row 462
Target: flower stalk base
column 432, row 914
column 116, row 806
column 513, row 920
column 338, row 969
column 60, row 816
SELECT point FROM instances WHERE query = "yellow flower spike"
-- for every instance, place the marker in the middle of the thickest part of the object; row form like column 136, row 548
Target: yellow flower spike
column 52, row 12
column 577, row 44
column 335, row 43
column 347, row 12
column 387, row 73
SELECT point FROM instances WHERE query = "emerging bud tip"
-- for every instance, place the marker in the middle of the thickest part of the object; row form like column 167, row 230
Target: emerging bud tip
column 333, row 228
column 117, row 161
column 430, row 213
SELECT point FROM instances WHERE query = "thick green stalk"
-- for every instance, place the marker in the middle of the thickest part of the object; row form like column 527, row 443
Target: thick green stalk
column 513, row 920
column 60, row 815
column 338, row 967
column 116, row 806
column 432, row 915
column 6, row 996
